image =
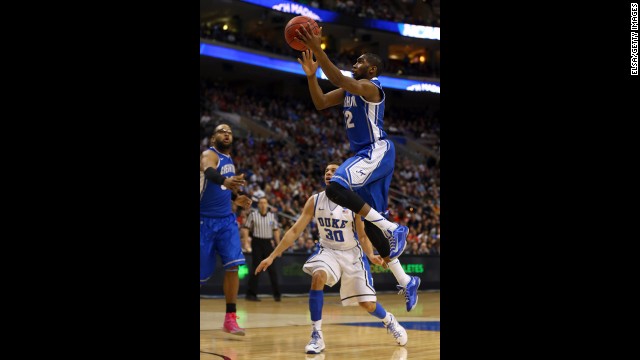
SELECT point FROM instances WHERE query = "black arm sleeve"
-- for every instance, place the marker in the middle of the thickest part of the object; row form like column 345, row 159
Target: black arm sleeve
column 214, row 176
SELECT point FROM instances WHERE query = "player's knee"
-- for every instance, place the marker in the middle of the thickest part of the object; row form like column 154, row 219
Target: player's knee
column 368, row 305
column 333, row 191
column 320, row 275
column 318, row 279
column 344, row 197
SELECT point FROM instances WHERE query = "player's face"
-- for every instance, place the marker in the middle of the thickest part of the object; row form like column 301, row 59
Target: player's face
column 360, row 69
column 222, row 137
column 328, row 173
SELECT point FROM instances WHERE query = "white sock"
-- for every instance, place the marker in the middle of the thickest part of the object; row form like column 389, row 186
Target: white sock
column 317, row 325
column 397, row 270
column 378, row 220
column 387, row 318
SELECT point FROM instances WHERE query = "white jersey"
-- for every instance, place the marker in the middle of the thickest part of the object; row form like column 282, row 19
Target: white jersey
column 340, row 255
column 336, row 225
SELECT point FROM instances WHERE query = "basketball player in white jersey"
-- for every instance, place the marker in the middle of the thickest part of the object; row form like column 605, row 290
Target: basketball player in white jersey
column 343, row 244
column 361, row 183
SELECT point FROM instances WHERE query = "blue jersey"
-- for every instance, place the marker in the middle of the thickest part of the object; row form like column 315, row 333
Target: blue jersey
column 215, row 200
column 363, row 119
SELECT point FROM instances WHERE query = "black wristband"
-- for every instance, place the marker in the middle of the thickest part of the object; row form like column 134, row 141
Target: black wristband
column 214, row 176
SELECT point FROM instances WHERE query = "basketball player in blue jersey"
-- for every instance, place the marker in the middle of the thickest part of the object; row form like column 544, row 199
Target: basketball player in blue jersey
column 219, row 234
column 361, row 183
column 340, row 256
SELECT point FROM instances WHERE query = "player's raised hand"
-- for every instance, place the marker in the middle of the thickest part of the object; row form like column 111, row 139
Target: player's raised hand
column 308, row 65
column 307, row 36
column 264, row 265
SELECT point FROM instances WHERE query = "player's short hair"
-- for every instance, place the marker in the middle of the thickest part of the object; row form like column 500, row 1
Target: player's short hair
column 376, row 61
column 219, row 125
column 335, row 162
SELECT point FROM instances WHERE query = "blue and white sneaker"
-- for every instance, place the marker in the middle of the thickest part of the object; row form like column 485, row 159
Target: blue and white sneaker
column 316, row 344
column 410, row 292
column 398, row 241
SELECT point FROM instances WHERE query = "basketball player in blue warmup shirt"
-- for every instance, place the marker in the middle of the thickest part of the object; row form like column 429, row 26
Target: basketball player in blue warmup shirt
column 361, row 183
column 218, row 227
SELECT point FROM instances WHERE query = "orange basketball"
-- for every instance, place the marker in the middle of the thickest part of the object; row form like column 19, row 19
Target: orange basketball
column 293, row 25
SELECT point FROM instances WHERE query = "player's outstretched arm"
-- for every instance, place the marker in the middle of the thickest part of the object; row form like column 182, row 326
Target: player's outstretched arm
column 361, row 87
column 290, row 236
column 320, row 99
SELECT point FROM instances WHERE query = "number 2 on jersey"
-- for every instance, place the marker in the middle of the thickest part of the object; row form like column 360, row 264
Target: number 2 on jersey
column 348, row 117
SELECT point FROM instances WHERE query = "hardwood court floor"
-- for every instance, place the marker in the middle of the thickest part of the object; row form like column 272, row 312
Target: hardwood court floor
column 280, row 330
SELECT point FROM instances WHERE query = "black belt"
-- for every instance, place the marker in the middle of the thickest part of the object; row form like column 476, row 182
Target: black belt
column 257, row 238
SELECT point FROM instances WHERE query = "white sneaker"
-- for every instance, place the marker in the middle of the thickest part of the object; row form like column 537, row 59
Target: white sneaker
column 316, row 344
column 398, row 332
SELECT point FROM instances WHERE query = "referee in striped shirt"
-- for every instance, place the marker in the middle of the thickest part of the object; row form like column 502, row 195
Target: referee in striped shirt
column 265, row 236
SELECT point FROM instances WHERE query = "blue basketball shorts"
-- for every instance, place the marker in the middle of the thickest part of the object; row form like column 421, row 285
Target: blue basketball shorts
column 369, row 173
column 219, row 236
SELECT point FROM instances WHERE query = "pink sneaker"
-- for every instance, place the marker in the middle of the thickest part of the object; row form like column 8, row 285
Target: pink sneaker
column 231, row 326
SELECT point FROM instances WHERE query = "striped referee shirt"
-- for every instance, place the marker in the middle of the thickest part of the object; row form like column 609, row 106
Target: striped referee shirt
column 261, row 226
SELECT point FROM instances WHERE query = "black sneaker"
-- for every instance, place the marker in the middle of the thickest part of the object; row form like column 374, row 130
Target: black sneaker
column 277, row 298
column 252, row 298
